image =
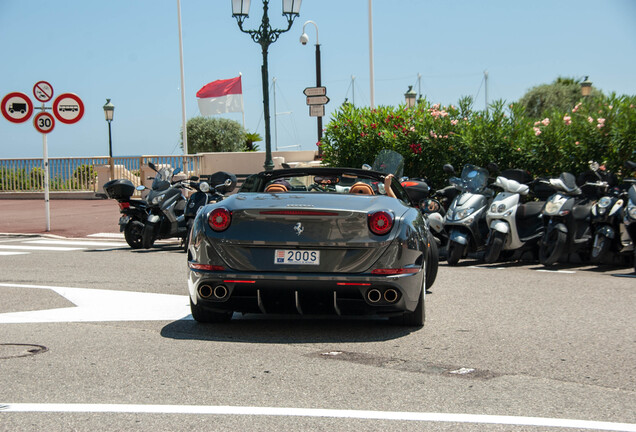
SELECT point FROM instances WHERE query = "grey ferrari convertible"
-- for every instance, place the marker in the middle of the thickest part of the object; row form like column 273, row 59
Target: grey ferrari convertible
column 311, row 241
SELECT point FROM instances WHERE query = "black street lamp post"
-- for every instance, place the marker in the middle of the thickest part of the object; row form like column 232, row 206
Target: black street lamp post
column 109, row 111
column 303, row 40
column 265, row 36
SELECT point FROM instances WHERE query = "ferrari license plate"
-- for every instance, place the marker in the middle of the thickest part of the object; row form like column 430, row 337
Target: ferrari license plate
column 295, row 256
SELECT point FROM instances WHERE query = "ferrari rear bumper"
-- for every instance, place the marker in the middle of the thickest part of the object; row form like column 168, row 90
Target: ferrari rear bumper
column 305, row 294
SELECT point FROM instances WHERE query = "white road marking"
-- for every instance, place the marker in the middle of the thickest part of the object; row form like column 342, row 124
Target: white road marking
column 107, row 235
column 95, row 305
column 3, row 253
column 76, row 243
column 40, row 248
column 557, row 271
column 487, row 268
column 317, row 412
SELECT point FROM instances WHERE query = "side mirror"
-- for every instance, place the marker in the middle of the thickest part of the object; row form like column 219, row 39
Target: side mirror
column 176, row 171
column 492, row 167
column 448, row 169
column 366, row 167
column 152, row 166
column 140, row 187
column 193, row 178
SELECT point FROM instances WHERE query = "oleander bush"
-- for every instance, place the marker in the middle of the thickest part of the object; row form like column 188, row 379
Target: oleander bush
column 601, row 128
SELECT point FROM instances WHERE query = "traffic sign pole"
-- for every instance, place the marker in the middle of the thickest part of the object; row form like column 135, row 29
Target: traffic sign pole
column 45, row 156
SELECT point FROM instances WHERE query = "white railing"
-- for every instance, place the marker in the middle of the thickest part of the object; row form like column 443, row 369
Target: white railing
column 85, row 174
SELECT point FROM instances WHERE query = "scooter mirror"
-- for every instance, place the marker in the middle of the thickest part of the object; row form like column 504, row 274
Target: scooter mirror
column 448, row 169
column 140, row 187
column 194, row 178
column 152, row 166
column 492, row 167
column 366, row 167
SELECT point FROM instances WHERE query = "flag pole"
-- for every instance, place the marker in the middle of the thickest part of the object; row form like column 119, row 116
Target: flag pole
column 242, row 104
column 183, row 108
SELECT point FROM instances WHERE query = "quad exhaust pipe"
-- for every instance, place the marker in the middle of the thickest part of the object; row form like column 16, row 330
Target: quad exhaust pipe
column 389, row 295
column 219, row 292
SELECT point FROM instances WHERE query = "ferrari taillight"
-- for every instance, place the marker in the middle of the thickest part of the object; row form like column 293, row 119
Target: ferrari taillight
column 380, row 222
column 220, row 219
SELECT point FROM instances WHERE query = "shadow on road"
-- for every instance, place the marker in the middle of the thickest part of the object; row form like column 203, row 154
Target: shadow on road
column 293, row 329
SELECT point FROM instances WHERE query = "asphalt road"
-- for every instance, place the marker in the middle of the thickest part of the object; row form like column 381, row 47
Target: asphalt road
column 505, row 347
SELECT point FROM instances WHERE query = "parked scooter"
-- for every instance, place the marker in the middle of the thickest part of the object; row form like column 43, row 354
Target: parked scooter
column 466, row 216
column 134, row 212
column 166, row 206
column 514, row 226
column 610, row 236
column 205, row 195
column 566, row 217
column 630, row 211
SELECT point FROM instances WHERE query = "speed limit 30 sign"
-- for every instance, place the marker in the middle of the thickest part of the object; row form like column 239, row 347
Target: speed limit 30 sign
column 44, row 122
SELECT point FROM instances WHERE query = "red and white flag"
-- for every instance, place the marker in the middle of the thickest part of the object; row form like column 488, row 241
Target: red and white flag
column 221, row 96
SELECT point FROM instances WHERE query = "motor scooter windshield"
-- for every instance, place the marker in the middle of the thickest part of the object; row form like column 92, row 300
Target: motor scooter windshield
column 474, row 179
column 162, row 179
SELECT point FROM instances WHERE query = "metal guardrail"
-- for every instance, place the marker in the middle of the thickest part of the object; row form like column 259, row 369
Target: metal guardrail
column 84, row 174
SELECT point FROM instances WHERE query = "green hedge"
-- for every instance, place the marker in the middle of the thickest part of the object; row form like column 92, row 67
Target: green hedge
column 429, row 135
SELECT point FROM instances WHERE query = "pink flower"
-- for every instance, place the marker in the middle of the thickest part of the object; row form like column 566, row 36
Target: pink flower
column 577, row 143
column 537, row 123
column 537, row 131
column 567, row 119
column 600, row 125
column 601, row 120
column 545, row 121
column 454, row 122
column 590, row 119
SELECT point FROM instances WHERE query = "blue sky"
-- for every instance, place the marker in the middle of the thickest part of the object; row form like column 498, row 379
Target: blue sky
column 128, row 51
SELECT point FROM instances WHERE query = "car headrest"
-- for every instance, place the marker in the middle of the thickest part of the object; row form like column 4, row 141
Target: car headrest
column 361, row 188
column 276, row 187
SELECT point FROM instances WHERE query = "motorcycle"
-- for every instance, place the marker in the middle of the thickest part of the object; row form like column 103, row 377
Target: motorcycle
column 630, row 211
column 205, row 195
column 514, row 225
column 566, row 216
column 134, row 212
column 166, row 206
column 466, row 216
column 610, row 235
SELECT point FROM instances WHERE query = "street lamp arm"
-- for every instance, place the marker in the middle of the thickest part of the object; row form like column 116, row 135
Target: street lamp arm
column 315, row 25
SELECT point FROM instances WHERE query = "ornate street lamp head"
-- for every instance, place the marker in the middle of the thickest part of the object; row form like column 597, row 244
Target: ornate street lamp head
column 291, row 7
column 586, row 87
column 109, row 110
column 409, row 96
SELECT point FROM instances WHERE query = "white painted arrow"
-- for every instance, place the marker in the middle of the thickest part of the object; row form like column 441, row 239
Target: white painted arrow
column 93, row 305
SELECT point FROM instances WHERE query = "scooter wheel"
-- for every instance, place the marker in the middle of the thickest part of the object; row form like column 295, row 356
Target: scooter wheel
column 455, row 253
column 600, row 248
column 133, row 234
column 148, row 236
column 552, row 247
column 495, row 247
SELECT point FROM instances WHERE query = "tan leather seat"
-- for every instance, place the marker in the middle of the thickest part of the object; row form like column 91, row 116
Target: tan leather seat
column 361, row 188
column 275, row 187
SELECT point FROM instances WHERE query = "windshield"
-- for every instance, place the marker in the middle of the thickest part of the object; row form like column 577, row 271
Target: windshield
column 162, row 179
column 389, row 162
column 474, row 179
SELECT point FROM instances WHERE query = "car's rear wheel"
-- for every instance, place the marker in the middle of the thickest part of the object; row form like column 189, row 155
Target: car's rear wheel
column 418, row 316
column 203, row 315
column 432, row 261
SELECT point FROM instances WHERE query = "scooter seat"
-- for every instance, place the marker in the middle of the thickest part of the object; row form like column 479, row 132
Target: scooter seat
column 530, row 210
column 511, row 186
